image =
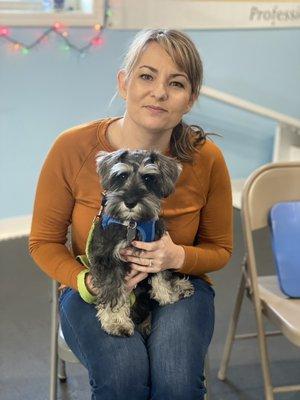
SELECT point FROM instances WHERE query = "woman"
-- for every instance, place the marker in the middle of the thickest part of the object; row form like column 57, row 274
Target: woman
column 159, row 81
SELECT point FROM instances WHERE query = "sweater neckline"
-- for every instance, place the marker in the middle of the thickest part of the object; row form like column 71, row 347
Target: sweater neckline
column 102, row 135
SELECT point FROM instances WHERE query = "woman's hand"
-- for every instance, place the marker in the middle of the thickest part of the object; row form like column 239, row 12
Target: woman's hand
column 89, row 284
column 155, row 256
column 132, row 279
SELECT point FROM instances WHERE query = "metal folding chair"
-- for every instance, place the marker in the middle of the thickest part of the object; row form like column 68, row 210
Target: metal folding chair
column 60, row 352
column 270, row 184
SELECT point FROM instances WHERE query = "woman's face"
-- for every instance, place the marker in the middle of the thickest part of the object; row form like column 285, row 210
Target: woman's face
column 156, row 81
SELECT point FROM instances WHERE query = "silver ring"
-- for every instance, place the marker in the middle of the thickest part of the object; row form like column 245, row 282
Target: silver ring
column 134, row 286
column 150, row 263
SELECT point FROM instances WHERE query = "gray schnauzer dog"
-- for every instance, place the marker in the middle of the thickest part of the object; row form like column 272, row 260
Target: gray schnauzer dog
column 134, row 181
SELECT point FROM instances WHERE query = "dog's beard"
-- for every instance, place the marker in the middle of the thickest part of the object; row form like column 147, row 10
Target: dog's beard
column 147, row 208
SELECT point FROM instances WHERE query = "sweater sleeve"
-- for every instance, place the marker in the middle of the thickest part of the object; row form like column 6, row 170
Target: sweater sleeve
column 213, row 243
column 52, row 213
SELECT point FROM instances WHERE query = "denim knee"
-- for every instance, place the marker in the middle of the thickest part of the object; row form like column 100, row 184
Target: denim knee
column 123, row 389
column 181, row 388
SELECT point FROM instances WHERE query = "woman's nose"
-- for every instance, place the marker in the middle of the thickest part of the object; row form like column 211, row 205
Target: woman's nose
column 160, row 91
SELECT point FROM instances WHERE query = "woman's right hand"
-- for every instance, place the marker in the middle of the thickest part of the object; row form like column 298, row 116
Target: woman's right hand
column 89, row 284
column 133, row 278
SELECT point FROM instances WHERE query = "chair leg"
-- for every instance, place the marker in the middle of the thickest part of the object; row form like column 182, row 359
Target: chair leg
column 54, row 355
column 207, row 378
column 232, row 329
column 53, row 377
column 62, row 376
column 268, row 388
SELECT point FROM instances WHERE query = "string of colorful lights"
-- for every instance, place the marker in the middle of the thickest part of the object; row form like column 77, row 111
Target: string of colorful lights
column 59, row 30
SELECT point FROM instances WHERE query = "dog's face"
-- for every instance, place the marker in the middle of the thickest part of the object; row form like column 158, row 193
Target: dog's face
column 136, row 181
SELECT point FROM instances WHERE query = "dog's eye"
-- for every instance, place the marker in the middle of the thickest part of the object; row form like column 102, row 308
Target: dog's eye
column 123, row 176
column 148, row 178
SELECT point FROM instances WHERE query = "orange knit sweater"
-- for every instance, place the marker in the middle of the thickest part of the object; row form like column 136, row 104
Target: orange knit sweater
column 198, row 214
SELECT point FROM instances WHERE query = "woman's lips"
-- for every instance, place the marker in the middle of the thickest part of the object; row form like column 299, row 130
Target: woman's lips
column 155, row 110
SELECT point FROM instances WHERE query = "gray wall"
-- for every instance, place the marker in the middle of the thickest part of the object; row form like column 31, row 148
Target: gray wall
column 50, row 90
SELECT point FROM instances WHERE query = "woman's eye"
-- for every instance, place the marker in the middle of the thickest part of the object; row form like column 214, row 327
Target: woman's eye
column 145, row 75
column 179, row 83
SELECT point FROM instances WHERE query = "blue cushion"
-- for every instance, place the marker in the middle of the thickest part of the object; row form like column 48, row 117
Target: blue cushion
column 284, row 221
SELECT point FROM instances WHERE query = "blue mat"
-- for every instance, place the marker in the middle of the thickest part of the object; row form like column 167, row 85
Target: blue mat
column 284, row 220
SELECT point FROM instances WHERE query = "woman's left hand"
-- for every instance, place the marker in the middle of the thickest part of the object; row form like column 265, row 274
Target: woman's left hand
column 154, row 256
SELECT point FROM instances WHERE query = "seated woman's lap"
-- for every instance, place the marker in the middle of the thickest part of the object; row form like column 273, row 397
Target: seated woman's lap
column 174, row 351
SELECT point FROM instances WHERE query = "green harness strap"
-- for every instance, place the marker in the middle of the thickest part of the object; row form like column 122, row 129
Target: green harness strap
column 84, row 258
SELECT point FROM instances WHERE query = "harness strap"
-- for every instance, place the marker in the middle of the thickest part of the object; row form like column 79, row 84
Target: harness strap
column 103, row 203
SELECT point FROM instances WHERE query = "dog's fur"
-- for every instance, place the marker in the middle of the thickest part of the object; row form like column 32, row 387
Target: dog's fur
column 135, row 181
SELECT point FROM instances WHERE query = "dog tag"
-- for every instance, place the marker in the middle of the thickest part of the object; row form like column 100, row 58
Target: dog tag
column 131, row 231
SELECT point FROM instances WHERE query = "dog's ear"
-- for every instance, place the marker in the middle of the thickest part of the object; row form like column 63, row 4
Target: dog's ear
column 170, row 170
column 102, row 161
column 105, row 161
column 121, row 154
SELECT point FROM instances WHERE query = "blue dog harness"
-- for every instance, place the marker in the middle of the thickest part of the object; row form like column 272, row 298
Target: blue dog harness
column 146, row 228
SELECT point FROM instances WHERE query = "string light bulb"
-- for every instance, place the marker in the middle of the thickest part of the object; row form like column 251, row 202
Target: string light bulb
column 97, row 41
column 3, row 31
column 58, row 26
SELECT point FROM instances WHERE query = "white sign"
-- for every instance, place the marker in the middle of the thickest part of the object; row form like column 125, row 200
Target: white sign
column 199, row 14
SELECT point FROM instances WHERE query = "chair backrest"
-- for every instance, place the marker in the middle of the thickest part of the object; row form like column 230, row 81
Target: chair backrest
column 270, row 184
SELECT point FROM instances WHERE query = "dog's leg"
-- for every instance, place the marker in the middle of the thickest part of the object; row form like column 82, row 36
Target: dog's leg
column 145, row 326
column 182, row 286
column 116, row 320
column 168, row 288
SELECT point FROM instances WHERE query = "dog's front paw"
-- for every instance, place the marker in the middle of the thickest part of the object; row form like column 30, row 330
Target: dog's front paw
column 168, row 292
column 162, row 290
column 164, row 295
column 124, row 329
column 116, row 323
column 185, row 288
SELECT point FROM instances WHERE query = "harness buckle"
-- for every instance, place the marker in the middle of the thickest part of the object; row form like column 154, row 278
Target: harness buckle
column 131, row 231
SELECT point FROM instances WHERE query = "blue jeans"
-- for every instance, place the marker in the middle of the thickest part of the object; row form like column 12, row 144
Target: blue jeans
column 166, row 365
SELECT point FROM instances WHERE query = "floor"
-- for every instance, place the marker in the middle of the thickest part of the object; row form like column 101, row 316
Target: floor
column 25, row 334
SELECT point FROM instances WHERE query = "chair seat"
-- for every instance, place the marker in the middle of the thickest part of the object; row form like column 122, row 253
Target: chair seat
column 64, row 351
column 283, row 311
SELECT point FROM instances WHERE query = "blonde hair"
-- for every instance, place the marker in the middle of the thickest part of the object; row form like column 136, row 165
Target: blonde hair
column 182, row 50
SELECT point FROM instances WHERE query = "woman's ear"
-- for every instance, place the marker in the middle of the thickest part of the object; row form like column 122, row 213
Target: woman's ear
column 121, row 76
column 190, row 103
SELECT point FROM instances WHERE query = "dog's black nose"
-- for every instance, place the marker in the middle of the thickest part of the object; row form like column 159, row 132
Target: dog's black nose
column 130, row 203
